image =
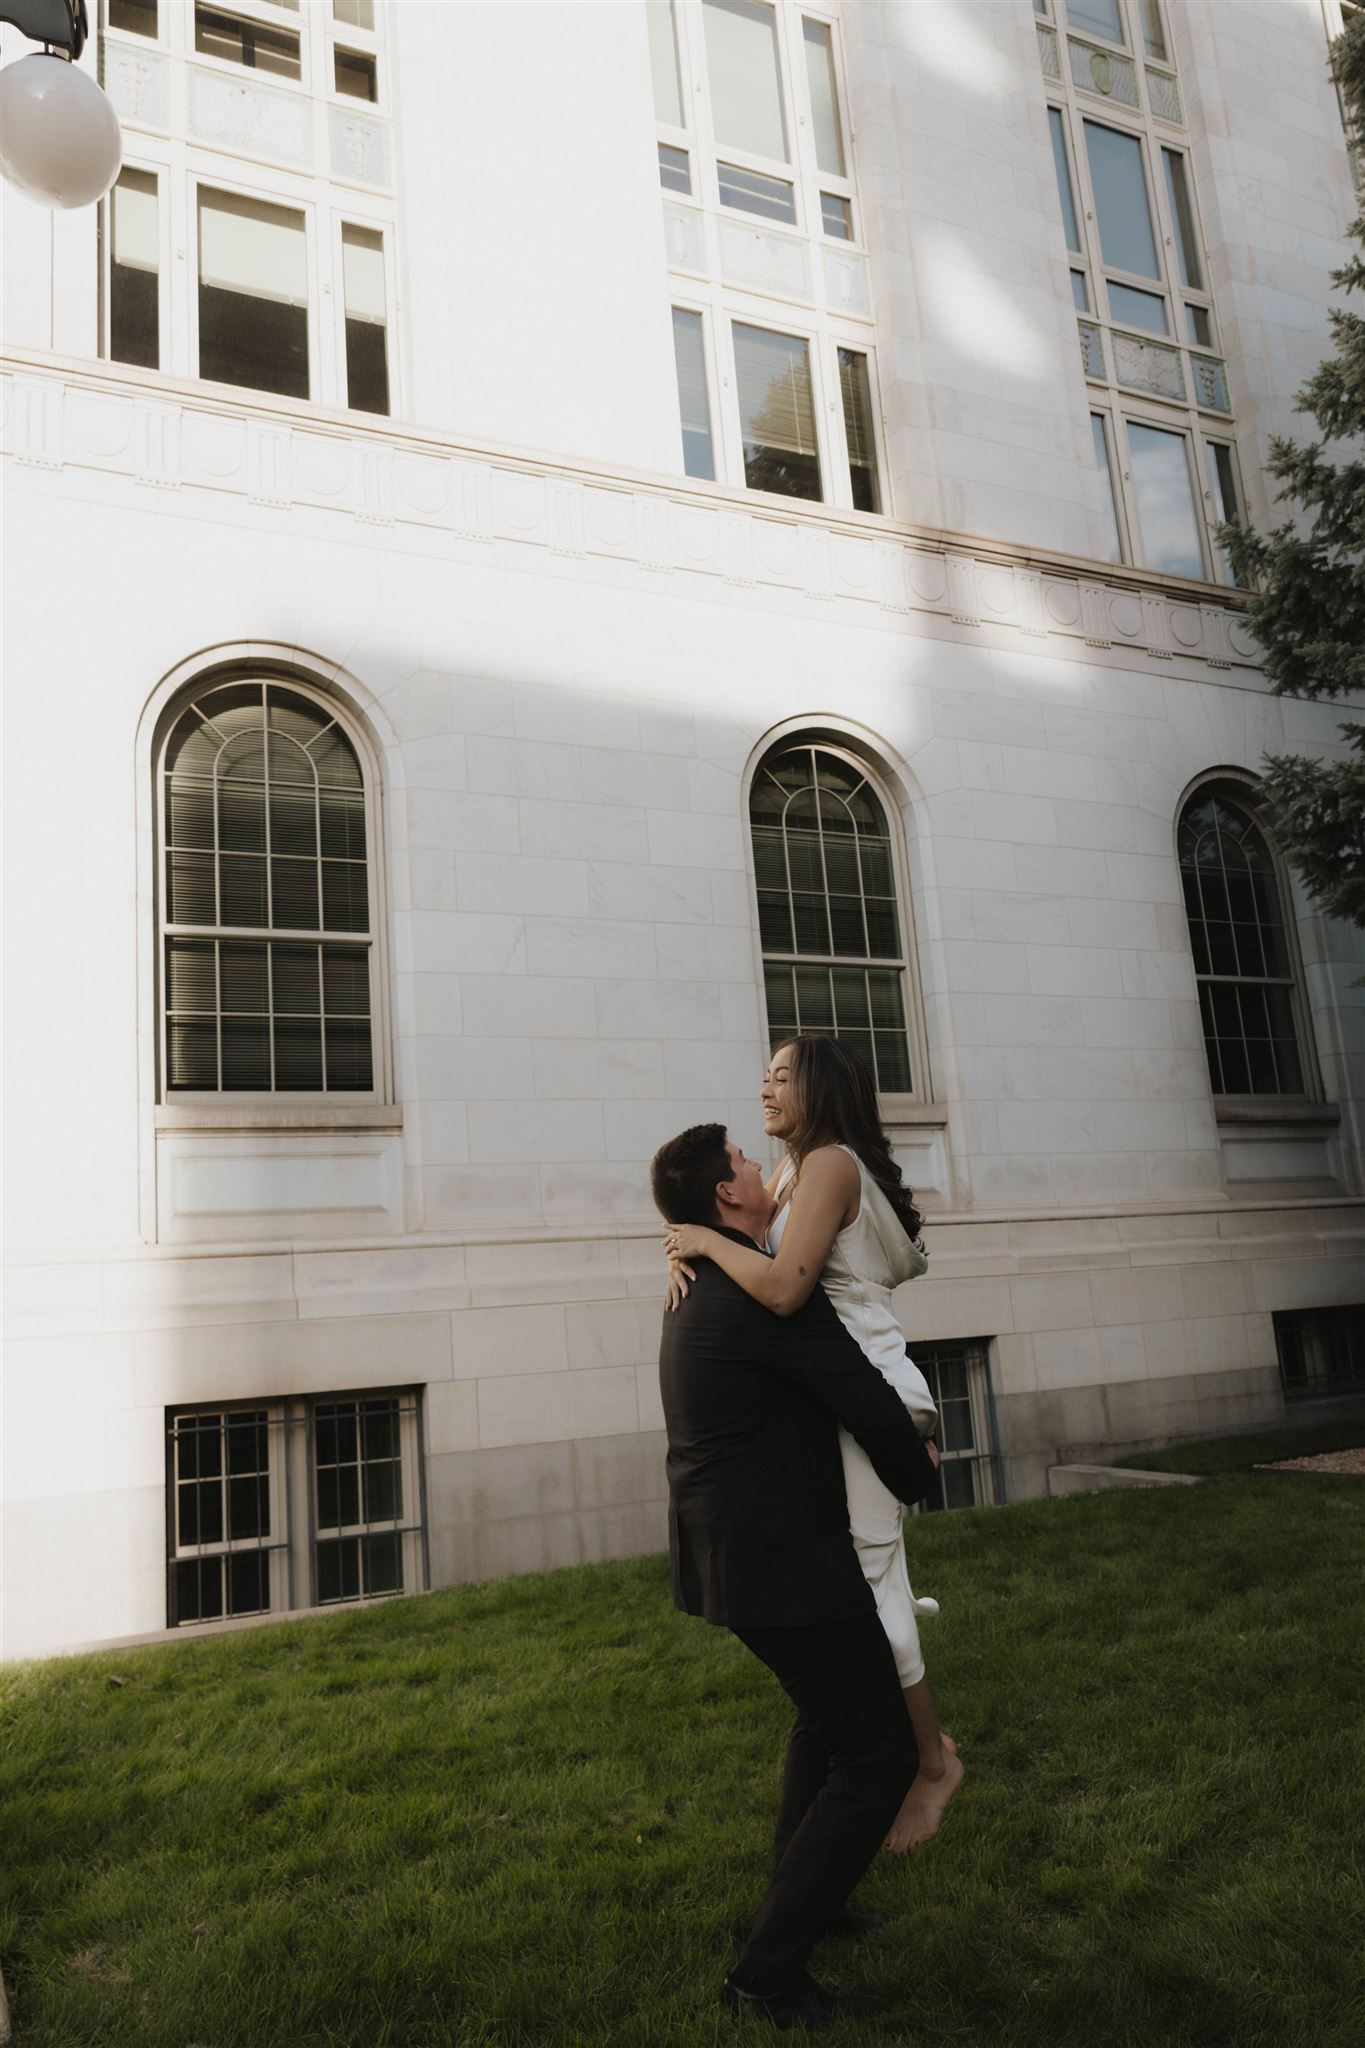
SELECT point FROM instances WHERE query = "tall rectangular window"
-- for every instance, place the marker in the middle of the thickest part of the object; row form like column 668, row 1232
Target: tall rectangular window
column 824, row 96
column 776, row 412
column 663, row 62
column 855, row 389
column 1114, row 551
column 253, row 294
column 367, row 338
column 959, row 1380
column 1064, row 192
column 1153, row 34
column 1167, row 513
column 689, row 353
column 1125, row 218
column 134, row 271
column 746, row 81
column 1182, row 217
column 1223, row 483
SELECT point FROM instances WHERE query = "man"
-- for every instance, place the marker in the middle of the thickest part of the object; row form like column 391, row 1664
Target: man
column 760, row 1544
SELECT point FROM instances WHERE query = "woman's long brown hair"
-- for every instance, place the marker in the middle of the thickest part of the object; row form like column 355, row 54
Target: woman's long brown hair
column 834, row 1099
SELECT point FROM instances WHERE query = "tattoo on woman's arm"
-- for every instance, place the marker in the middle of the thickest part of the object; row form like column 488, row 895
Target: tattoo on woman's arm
column 802, row 1271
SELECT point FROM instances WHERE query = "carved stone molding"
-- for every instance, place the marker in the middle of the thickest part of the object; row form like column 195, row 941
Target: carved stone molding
column 176, row 437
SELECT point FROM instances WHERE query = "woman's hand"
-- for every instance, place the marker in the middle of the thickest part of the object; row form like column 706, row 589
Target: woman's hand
column 935, row 1454
column 688, row 1241
column 675, row 1287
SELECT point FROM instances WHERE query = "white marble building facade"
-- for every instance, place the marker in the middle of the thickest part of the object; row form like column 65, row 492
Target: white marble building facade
column 557, row 662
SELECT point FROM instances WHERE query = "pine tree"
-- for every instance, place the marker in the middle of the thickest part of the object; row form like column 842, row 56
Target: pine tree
column 1308, row 606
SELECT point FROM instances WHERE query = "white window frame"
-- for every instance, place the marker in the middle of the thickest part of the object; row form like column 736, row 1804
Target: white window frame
column 1121, row 402
column 105, row 232
column 352, row 217
column 289, row 1103
column 824, row 334
column 318, row 391
column 290, row 21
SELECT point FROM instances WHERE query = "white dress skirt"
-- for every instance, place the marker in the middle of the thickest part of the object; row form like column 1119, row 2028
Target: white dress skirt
column 867, row 1260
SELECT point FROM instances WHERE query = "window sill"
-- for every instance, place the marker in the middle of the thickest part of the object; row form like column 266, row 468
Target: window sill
column 279, row 1116
column 1271, row 1113
column 901, row 1112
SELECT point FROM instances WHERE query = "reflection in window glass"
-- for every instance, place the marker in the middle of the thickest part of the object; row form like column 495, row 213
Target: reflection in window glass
column 776, row 412
column 1182, row 214
column 663, row 62
column 862, row 446
column 357, row 75
column 694, row 410
column 1153, row 35
column 1133, row 308
column 253, row 294
column 1199, row 326
column 367, row 341
column 1097, row 18
column 1125, row 218
column 1079, row 293
column 746, row 87
column 675, row 173
column 247, row 42
column 836, row 216
column 824, row 98
column 1223, row 482
column 1167, row 513
column 1114, row 553
column 752, row 192
column 134, row 282
column 1073, row 233
column 135, row 17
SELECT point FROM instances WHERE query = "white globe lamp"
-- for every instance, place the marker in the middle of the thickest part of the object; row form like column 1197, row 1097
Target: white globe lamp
column 59, row 137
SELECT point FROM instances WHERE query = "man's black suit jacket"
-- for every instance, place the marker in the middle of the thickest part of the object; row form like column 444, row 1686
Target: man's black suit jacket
column 758, row 1516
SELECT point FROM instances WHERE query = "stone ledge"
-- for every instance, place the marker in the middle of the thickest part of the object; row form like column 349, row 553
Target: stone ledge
column 1064, row 1479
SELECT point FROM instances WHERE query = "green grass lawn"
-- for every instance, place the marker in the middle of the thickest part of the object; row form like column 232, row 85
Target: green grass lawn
column 538, row 1811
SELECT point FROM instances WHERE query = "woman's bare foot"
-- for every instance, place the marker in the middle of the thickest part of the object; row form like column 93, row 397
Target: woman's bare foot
column 926, row 1803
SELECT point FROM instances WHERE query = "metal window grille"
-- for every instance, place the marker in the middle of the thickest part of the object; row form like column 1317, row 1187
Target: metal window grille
column 959, row 1379
column 1236, row 911
column 834, row 959
column 1321, row 1351
column 293, row 1504
column 267, row 930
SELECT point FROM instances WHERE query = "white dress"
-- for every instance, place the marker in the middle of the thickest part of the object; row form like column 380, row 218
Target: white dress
column 869, row 1258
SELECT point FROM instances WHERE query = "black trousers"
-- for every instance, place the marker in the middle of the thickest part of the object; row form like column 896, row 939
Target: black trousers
column 850, row 1761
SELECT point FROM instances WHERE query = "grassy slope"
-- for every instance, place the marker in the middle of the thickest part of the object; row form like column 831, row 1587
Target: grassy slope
column 537, row 1811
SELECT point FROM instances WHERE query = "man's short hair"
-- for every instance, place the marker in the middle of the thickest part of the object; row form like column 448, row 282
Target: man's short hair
column 685, row 1173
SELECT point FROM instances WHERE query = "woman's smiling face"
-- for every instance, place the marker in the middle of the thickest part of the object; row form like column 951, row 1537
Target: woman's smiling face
column 775, row 1095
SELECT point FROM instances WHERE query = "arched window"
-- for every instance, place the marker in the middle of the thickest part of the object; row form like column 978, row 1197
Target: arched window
column 266, row 917
column 1243, row 955
column 835, row 952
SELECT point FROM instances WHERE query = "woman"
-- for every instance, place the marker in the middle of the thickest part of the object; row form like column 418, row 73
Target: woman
column 845, row 1219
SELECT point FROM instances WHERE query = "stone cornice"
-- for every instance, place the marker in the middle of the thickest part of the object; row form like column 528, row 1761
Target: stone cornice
column 167, row 434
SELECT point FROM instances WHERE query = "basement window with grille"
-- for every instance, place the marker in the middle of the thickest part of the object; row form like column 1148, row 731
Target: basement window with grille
column 1321, row 1351
column 281, row 1504
column 959, row 1379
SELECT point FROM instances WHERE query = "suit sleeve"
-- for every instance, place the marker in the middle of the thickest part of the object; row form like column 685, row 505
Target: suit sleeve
column 815, row 1350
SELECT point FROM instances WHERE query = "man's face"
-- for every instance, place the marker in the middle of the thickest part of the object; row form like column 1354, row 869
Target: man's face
column 750, row 1204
